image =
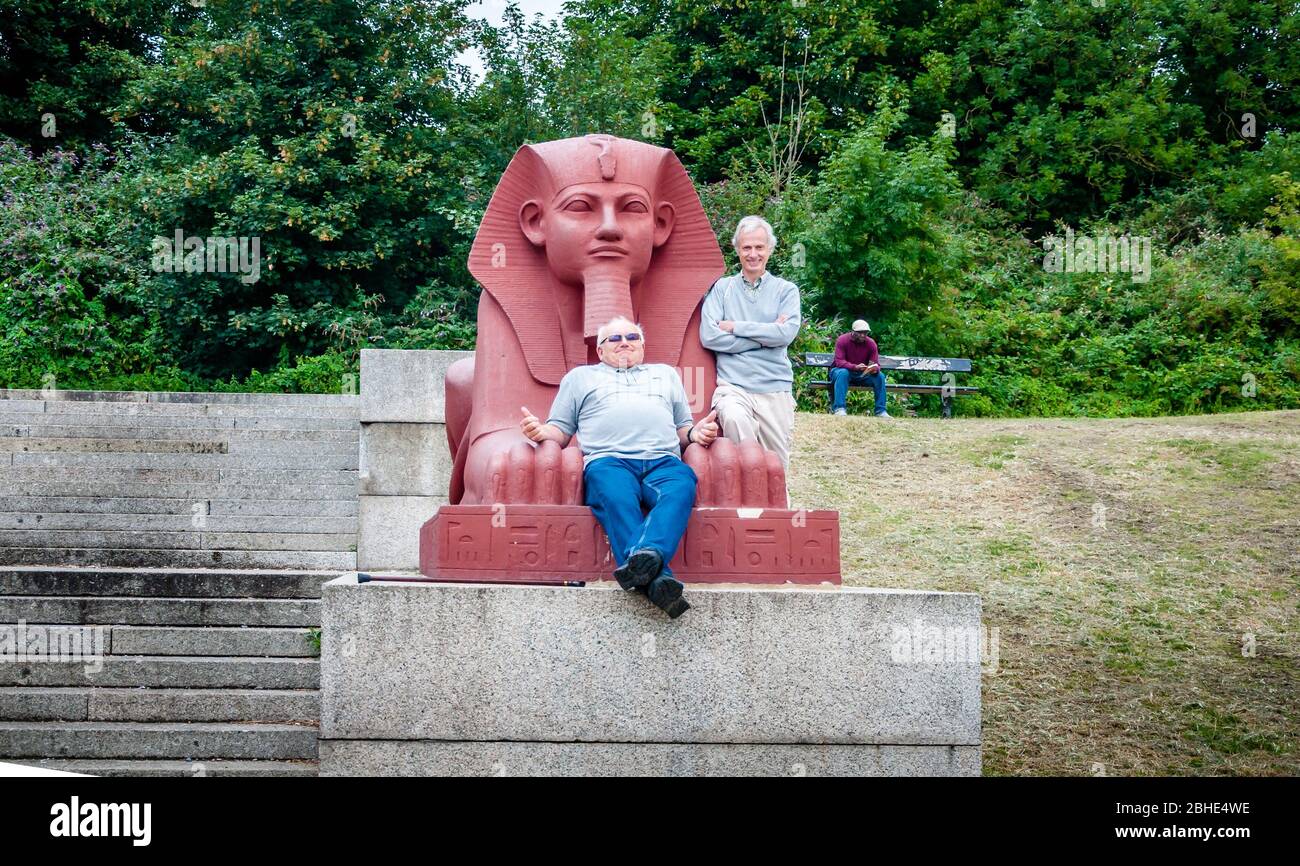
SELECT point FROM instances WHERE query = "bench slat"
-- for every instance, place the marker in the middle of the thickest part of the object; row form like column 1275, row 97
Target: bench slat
column 898, row 362
column 913, row 389
column 936, row 365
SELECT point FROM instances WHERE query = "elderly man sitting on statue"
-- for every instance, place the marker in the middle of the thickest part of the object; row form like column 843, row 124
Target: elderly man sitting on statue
column 632, row 421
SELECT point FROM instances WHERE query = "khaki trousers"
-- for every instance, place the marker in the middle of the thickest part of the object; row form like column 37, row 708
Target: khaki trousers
column 744, row 415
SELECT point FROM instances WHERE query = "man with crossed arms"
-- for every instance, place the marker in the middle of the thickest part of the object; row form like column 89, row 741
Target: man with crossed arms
column 632, row 421
column 748, row 320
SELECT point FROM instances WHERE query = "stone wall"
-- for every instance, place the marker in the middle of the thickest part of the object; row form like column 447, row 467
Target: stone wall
column 405, row 464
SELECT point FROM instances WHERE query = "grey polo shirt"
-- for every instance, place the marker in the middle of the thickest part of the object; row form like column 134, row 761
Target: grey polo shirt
column 633, row 413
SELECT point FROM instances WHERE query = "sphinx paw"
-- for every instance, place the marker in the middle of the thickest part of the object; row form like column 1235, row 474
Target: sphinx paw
column 543, row 475
column 737, row 476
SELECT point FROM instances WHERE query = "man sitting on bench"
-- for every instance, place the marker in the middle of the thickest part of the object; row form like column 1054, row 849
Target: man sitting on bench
column 857, row 362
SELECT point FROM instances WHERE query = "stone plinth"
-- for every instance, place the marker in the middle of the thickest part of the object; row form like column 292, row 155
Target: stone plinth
column 511, row 543
column 473, row 679
column 405, row 385
column 405, row 464
column 404, row 460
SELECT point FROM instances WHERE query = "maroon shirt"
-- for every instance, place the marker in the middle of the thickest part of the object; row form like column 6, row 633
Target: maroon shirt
column 849, row 354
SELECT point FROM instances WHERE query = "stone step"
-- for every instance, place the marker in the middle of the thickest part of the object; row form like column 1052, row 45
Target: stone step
column 106, row 557
column 133, row 610
column 178, row 507
column 247, row 398
column 165, row 640
column 251, row 641
column 29, row 403
column 177, row 522
column 268, row 407
column 164, row 672
column 277, row 423
column 259, row 451
column 90, row 538
column 195, row 539
column 192, row 490
column 284, row 507
column 162, row 583
column 47, row 444
column 296, row 542
column 232, row 411
column 275, row 449
column 163, row 768
column 81, row 704
column 226, row 433
column 257, row 462
column 238, row 397
column 196, row 740
column 13, row 476
column 34, row 422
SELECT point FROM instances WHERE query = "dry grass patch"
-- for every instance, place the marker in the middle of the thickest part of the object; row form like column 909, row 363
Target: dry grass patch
column 1126, row 564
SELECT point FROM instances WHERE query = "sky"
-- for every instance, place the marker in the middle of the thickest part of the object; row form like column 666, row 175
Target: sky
column 491, row 10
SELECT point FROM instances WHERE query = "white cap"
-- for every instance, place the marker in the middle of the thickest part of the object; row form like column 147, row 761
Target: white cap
column 861, row 325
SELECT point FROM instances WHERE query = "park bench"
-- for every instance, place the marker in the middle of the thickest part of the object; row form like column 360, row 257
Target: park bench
column 949, row 367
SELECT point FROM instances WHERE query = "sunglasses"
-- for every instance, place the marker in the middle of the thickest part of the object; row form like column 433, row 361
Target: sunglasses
column 618, row 338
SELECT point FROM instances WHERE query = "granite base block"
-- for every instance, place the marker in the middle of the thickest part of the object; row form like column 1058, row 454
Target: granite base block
column 388, row 530
column 593, row 680
column 404, row 460
column 405, row 384
column 433, row 758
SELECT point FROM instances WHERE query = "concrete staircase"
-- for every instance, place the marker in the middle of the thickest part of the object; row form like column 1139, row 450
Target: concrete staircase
column 185, row 536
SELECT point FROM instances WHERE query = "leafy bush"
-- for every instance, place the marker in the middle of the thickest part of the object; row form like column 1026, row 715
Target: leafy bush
column 330, row 373
column 70, row 279
column 329, row 132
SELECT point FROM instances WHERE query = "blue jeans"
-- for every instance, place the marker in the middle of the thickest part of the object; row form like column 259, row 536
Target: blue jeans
column 840, row 380
column 618, row 489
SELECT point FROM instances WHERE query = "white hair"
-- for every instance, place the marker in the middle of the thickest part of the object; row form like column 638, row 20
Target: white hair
column 608, row 328
column 748, row 224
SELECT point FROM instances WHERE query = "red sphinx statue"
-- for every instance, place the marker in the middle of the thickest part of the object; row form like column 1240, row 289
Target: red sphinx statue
column 555, row 267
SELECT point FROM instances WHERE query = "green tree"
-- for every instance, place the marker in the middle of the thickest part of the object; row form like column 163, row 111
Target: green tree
column 876, row 243
column 734, row 65
column 328, row 131
column 1063, row 110
column 63, row 63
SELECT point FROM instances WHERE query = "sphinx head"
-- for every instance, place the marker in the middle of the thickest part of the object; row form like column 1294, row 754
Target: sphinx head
column 586, row 226
column 598, row 220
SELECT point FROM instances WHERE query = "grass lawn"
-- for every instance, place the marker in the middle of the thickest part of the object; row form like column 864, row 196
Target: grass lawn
column 1143, row 575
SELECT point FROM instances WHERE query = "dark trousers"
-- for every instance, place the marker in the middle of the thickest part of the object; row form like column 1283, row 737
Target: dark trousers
column 842, row 378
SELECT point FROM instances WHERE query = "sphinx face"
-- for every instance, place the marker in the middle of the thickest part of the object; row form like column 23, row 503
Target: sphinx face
column 596, row 232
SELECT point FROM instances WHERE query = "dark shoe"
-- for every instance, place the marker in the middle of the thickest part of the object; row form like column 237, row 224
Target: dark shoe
column 641, row 568
column 666, row 593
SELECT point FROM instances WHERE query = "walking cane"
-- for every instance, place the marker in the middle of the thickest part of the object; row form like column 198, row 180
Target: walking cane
column 362, row 577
